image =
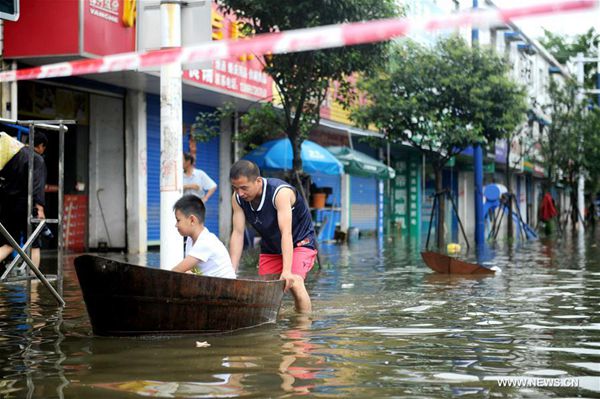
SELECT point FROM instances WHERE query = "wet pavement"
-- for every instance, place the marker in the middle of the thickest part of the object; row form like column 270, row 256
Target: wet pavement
column 383, row 326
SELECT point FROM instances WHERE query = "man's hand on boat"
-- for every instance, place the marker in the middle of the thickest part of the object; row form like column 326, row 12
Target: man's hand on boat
column 289, row 280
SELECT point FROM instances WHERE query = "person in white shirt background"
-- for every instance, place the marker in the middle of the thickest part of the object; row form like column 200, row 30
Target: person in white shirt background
column 196, row 181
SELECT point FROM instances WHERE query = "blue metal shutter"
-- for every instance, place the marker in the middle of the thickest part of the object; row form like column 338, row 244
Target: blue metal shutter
column 207, row 159
column 153, row 167
column 363, row 203
column 363, row 196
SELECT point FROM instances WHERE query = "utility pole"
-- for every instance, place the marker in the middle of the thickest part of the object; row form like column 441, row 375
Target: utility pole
column 478, row 170
column 171, row 141
column 581, row 179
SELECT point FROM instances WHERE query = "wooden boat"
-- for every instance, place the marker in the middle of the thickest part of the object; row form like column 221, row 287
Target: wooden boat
column 128, row 300
column 448, row 265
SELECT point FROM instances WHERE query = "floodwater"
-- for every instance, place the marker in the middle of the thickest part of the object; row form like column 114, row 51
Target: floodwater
column 384, row 326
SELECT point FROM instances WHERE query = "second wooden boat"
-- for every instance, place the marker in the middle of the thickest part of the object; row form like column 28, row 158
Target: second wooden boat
column 128, row 300
column 449, row 265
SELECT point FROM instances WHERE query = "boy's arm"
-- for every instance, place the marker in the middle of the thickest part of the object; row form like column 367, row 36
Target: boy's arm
column 186, row 264
column 236, row 243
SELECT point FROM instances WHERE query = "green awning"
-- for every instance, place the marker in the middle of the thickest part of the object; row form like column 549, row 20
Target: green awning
column 360, row 164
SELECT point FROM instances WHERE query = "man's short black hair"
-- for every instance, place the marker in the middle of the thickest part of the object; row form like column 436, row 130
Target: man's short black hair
column 40, row 138
column 188, row 157
column 191, row 205
column 245, row 168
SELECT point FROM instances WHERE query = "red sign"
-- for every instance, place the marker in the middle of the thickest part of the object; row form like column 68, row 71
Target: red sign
column 242, row 76
column 245, row 78
column 52, row 28
column 44, row 28
column 104, row 28
column 75, row 222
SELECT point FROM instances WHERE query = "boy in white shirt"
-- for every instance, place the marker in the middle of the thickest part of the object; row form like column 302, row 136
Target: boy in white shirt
column 205, row 254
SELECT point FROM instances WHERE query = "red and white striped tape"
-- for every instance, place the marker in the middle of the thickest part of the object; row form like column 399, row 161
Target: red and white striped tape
column 294, row 40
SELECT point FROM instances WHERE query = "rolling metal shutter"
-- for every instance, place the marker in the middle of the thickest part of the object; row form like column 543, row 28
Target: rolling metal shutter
column 153, row 164
column 363, row 203
column 207, row 159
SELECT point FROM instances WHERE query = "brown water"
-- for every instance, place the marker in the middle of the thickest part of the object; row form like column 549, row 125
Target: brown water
column 384, row 326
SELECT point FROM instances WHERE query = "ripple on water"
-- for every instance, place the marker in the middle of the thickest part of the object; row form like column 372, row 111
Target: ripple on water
column 546, row 372
column 405, row 331
column 593, row 327
column 455, row 377
column 417, row 309
column 588, row 366
column 577, row 351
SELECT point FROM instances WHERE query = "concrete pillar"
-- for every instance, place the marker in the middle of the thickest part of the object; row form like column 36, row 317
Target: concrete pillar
column 136, row 174
column 171, row 143
column 225, row 193
column 345, row 199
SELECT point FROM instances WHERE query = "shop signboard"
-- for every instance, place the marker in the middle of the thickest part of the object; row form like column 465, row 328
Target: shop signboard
column 406, row 196
column 108, row 27
column 501, row 150
column 243, row 76
column 87, row 28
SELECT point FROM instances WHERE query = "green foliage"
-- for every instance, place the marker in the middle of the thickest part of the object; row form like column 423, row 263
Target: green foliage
column 442, row 99
column 563, row 142
column 302, row 79
column 563, row 48
column 258, row 125
column 591, row 137
column 208, row 124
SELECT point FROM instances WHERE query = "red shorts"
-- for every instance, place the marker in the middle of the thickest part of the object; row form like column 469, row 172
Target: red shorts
column 302, row 261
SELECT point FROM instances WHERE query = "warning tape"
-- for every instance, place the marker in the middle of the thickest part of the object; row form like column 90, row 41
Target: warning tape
column 324, row 37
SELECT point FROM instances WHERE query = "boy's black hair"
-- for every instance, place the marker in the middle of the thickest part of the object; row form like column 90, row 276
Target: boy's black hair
column 40, row 138
column 244, row 168
column 188, row 157
column 191, row 205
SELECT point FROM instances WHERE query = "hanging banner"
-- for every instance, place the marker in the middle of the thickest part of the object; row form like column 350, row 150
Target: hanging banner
column 318, row 38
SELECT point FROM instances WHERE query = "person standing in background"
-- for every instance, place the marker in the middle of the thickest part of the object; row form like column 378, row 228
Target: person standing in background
column 196, row 181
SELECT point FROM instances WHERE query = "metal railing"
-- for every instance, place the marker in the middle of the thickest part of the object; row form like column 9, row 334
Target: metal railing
column 60, row 127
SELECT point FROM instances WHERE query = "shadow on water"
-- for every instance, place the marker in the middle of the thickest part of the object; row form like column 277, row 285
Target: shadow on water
column 383, row 326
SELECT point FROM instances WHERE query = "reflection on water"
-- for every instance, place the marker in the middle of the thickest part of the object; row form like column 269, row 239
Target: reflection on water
column 383, row 326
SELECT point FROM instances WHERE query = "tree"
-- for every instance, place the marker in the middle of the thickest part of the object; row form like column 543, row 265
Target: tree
column 564, row 48
column 302, row 79
column 566, row 147
column 591, row 137
column 442, row 100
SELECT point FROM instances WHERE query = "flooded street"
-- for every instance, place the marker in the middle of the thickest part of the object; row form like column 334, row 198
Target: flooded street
column 383, row 326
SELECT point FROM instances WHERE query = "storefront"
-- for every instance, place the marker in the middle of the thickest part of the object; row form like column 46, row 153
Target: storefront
column 94, row 181
column 113, row 154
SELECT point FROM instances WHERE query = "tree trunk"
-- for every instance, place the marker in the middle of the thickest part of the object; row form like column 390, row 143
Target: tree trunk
column 296, row 151
column 439, row 230
column 574, row 206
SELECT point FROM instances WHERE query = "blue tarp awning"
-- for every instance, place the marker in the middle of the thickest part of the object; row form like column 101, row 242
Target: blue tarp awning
column 277, row 155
